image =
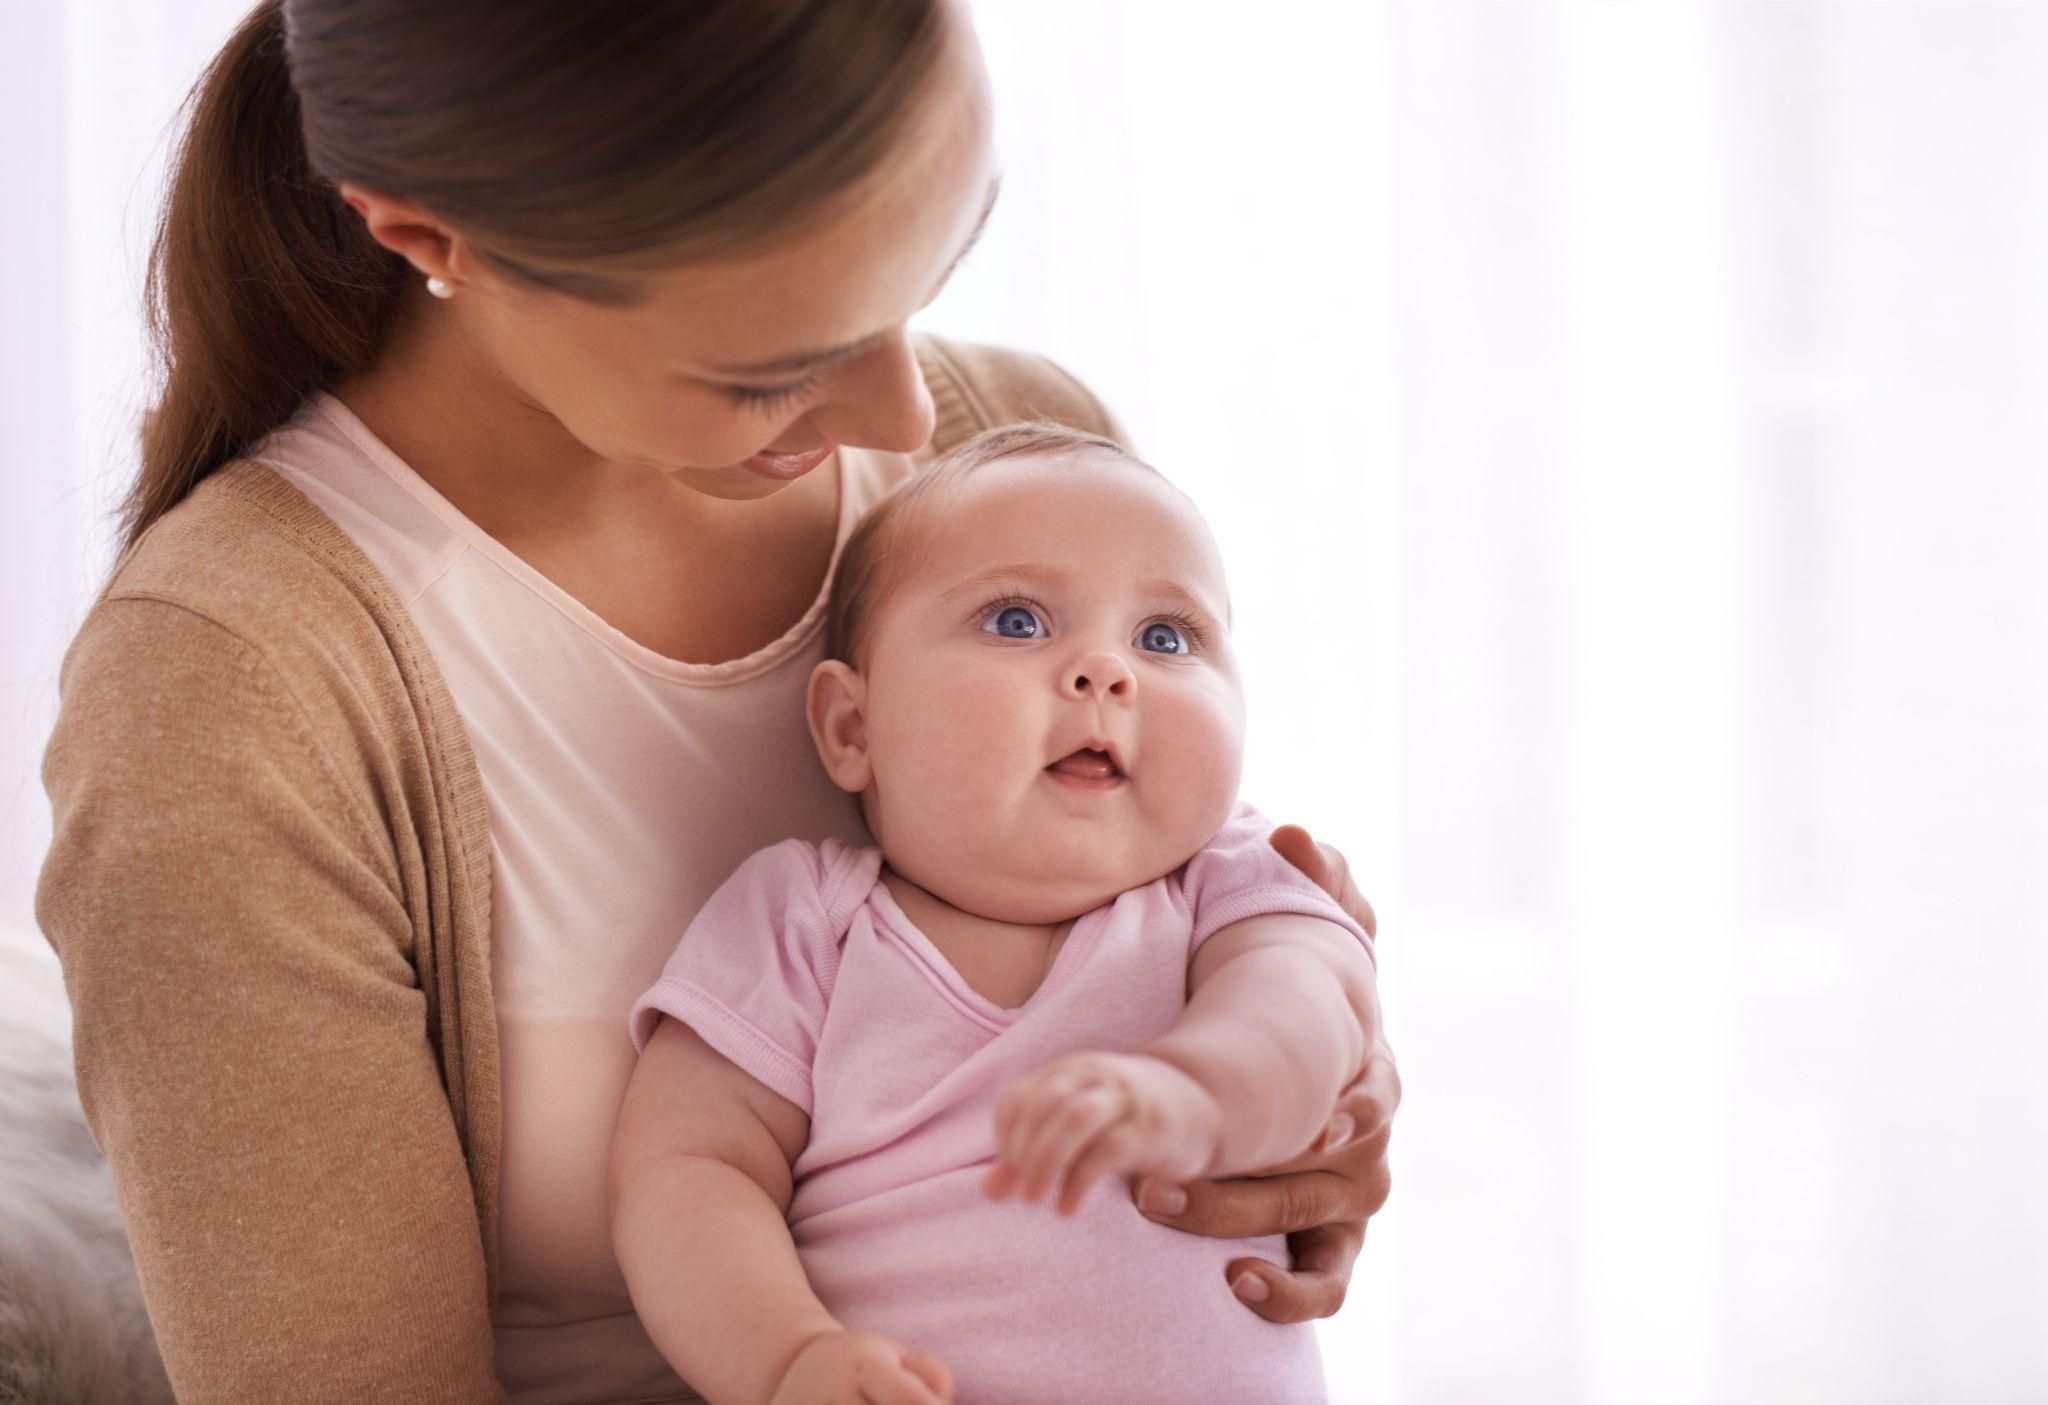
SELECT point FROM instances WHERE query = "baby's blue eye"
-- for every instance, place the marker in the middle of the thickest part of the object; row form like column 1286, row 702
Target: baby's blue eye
column 1159, row 637
column 1014, row 622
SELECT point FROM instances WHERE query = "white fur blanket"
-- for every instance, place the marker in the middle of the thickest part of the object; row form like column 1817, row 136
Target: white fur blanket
column 73, row 1330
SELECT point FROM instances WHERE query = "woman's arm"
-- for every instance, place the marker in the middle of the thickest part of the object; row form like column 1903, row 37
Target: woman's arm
column 698, row 1187
column 249, row 1034
column 1280, row 1014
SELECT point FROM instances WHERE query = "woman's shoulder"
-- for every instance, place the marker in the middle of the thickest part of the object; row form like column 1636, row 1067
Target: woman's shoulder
column 976, row 387
column 250, row 553
column 247, row 596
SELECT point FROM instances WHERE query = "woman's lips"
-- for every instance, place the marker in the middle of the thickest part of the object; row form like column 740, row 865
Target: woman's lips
column 1089, row 770
column 784, row 467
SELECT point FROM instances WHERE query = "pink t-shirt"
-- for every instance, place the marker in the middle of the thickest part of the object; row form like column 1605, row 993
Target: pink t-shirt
column 804, row 972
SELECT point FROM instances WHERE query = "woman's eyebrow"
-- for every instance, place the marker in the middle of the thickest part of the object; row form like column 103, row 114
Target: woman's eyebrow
column 811, row 360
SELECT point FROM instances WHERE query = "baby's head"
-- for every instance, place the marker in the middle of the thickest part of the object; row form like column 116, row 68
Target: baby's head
column 1031, row 685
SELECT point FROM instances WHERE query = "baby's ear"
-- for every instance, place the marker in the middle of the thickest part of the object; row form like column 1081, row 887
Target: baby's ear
column 834, row 702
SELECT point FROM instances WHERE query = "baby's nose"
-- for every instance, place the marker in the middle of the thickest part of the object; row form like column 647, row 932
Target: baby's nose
column 1099, row 672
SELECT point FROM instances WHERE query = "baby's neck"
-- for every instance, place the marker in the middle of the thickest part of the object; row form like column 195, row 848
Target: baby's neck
column 1004, row 962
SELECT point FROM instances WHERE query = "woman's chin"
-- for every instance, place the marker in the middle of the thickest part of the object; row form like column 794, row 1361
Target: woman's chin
column 733, row 484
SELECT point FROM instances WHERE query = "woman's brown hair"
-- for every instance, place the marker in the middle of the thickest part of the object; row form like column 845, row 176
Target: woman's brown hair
column 572, row 143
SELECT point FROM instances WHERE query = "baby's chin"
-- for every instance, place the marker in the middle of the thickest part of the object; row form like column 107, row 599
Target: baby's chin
column 1036, row 893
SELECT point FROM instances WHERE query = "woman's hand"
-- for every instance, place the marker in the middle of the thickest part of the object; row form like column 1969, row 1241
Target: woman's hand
column 1321, row 1200
column 860, row 1368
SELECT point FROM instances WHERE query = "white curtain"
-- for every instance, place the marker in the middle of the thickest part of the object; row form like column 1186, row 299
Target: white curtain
column 1620, row 424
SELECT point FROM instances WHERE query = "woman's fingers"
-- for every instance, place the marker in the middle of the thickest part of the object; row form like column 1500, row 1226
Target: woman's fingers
column 1327, row 869
column 1314, row 1288
column 1244, row 1208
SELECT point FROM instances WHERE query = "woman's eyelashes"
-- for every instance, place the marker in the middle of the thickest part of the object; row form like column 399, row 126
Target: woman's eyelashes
column 1172, row 634
column 767, row 400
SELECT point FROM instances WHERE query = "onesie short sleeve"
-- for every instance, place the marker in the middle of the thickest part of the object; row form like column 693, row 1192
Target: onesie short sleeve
column 1238, row 874
column 753, row 973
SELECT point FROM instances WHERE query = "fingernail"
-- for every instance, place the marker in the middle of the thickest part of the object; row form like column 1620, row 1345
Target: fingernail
column 1339, row 1131
column 1250, row 1287
column 1161, row 1198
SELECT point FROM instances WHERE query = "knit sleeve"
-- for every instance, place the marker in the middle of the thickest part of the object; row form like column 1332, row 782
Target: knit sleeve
column 976, row 387
column 249, row 1033
column 753, row 973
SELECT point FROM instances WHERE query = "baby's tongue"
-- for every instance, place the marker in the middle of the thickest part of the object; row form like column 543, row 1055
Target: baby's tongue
column 1090, row 765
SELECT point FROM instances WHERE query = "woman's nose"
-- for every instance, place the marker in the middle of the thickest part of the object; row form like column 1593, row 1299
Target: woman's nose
column 1099, row 673
column 879, row 400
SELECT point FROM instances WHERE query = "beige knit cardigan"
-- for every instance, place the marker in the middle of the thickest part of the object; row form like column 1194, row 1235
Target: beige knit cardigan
column 270, row 889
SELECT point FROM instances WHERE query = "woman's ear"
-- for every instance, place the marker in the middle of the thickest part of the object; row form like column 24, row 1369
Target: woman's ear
column 839, row 730
column 418, row 237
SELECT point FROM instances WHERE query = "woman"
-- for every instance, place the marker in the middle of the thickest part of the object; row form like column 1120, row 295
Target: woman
column 526, row 365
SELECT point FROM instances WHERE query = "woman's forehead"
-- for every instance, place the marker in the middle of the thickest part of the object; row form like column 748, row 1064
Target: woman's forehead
column 862, row 268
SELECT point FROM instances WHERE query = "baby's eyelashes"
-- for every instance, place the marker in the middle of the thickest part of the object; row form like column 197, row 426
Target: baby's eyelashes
column 1014, row 621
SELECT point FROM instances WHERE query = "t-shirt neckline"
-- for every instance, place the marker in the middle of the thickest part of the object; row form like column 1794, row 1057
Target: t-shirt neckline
column 729, row 671
column 946, row 977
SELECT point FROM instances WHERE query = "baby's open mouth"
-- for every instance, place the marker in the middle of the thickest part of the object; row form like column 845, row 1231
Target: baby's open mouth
column 1087, row 764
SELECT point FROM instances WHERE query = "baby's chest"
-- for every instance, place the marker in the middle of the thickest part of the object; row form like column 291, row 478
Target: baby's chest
column 910, row 1047
column 1005, row 974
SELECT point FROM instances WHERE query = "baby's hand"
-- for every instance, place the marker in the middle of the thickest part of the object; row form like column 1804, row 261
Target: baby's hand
column 860, row 1368
column 1087, row 1116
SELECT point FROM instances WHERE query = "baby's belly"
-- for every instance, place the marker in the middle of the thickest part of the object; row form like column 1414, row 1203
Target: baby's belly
column 1027, row 1306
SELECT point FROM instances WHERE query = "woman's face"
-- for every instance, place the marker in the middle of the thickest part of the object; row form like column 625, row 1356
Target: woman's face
column 798, row 349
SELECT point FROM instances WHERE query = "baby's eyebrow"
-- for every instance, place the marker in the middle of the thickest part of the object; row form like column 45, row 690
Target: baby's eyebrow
column 1179, row 594
column 982, row 580
column 1030, row 573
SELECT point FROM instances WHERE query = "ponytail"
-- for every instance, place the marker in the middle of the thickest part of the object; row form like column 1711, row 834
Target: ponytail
column 263, row 286
column 566, row 141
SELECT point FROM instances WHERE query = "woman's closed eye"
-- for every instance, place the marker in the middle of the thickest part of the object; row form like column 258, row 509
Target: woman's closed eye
column 768, row 399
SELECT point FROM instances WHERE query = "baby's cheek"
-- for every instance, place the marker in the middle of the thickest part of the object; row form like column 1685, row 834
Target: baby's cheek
column 938, row 761
column 1200, row 741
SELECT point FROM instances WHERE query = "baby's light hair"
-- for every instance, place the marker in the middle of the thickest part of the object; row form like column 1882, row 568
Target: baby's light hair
column 860, row 580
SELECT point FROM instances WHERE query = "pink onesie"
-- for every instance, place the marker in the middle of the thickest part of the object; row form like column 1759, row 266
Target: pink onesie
column 804, row 972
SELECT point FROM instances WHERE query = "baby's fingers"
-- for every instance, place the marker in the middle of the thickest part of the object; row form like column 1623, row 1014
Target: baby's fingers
column 1023, row 1109
column 933, row 1372
column 1062, row 1136
column 902, row 1383
column 1118, row 1150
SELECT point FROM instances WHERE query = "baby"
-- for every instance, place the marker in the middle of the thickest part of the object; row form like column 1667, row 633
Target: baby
column 1072, row 957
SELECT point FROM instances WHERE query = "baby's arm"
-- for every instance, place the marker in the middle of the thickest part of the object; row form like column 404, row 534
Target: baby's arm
column 698, row 1187
column 1281, row 1012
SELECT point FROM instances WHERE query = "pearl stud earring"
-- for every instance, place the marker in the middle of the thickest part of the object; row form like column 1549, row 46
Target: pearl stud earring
column 440, row 287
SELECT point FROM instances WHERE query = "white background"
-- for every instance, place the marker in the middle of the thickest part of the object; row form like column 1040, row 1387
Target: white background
column 1624, row 429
